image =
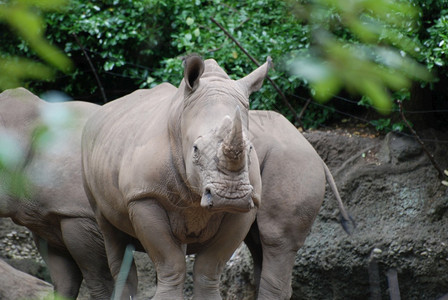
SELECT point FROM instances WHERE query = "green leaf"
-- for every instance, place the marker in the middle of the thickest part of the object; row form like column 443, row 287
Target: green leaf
column 30, row 27
column 109, row 65
column 14, row 70
column 326, row 88
column 45, row 4
column 189, row 21
column 380, row 99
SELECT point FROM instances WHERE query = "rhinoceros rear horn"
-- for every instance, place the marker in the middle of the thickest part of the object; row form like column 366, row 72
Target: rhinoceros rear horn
column 193, row 69
column 253, row 82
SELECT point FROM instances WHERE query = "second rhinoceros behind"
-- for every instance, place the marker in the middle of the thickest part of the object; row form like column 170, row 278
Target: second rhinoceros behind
column 55, row 208
column 175, row 170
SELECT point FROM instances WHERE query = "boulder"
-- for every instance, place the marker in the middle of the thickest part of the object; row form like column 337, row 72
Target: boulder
column 15, row 284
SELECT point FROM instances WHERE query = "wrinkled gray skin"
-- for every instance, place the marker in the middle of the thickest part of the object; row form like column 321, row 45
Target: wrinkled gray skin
column 57, row 210
column 175, row 170
column 293, row 179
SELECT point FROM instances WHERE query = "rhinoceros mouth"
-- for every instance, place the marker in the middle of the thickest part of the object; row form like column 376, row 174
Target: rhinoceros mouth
column 217, row 196
column 223, row 191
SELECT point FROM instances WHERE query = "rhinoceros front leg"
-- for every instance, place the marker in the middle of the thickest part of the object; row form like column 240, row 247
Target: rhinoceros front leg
column 64, row 272
column 115, row 243
column 152, row 228
column 211, row 260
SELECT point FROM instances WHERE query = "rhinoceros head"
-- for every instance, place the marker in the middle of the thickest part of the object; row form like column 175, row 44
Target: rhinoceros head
column 220, row 164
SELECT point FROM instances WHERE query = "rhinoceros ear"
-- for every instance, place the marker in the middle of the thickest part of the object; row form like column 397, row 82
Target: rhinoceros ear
column 193, row 69
column 253, row 82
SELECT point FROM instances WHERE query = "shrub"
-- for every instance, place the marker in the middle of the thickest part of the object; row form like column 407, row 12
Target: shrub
column 138, row 44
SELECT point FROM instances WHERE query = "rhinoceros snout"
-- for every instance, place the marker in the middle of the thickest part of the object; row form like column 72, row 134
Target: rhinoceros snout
column 215, row 198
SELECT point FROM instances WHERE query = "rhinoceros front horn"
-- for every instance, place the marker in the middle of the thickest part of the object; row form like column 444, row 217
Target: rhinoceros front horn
column 233, row 145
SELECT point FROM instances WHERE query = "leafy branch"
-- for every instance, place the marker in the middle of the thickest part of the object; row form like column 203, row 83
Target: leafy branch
column 377, row 59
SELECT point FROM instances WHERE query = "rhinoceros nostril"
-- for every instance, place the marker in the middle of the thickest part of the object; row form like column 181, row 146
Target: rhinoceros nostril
column 206, row 200
column 208, row 194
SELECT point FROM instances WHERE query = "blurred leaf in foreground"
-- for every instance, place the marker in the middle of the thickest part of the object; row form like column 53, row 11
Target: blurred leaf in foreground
column 24, row 18
column 377, row 58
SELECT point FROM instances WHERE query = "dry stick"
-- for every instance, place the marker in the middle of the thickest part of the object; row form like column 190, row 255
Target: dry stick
column 430, row 156
column 374, row 278
column 297, row 119
column 303, row 111
column 392, row 280
column 103, row 94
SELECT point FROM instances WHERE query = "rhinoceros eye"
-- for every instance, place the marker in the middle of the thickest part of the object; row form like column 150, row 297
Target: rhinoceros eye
column 195, row 154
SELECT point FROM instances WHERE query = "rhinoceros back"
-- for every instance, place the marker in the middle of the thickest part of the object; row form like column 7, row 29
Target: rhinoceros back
column 113, row 136
column 53, row 164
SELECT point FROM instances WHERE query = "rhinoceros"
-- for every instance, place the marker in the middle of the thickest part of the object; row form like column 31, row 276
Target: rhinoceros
column 293, row 182
column 174, row 168
column 56, row 209
column 293, row 187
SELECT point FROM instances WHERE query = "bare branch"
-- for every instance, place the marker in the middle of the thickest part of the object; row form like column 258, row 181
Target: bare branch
column 430, row 156
column 103, row 93
column 297, row 119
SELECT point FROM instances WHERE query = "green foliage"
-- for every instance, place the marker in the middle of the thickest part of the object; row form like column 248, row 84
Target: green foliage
column 387, row 125
column 118, row 36
column 264, row 28
column 131, row 48
column 23, row 18
column 374, row 59
column 364, row 46
column 437, row 43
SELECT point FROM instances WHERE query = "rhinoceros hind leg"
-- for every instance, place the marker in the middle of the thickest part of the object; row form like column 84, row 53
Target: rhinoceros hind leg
column 64, row 272
column 115, row 242
column 253, row 243
column 85, row 243
column 275, row 280
column 280, row 242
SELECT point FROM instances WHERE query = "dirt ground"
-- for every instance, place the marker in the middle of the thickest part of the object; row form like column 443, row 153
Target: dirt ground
column 390, row 188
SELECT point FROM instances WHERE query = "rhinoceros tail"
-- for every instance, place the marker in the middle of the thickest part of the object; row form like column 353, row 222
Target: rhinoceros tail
column 347, row 222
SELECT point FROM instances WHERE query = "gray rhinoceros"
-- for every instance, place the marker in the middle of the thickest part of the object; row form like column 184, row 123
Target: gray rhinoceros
column 293, row 187
column 293, row 178
column 56, row 210
column 175, row 170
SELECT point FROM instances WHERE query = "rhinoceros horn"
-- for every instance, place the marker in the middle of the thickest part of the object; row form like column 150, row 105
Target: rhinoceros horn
column 233, row 145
